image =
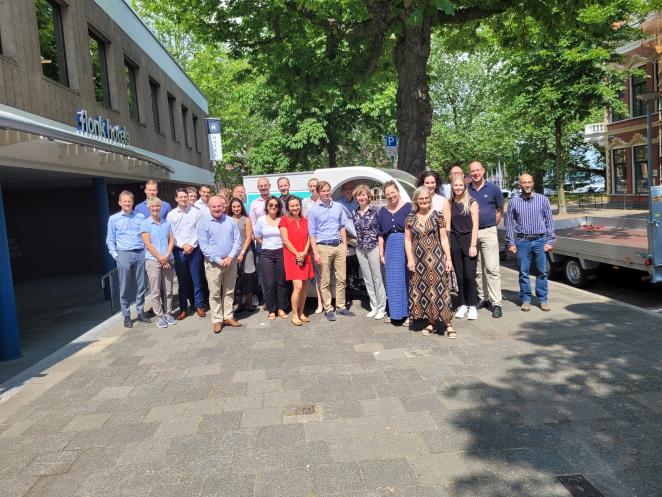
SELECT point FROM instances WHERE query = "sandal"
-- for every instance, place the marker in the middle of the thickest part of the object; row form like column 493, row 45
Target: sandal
column 319, row 309
column 272, row 316
column 305, row 319
column 282, row 314
column 296, row 322
column 451, row 332
column 427, row 330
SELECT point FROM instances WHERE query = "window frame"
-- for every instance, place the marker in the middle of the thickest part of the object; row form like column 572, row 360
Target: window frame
column 154, row 94
column 195, row 132
column 637, row 166
column 102, row 45
column 185, row 113
column 171, row 114
column 638, row 107
column 131, row 87
column 60, row 44
column 615, row 169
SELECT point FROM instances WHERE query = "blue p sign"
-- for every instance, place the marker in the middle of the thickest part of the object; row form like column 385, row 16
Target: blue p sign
column 391, row 140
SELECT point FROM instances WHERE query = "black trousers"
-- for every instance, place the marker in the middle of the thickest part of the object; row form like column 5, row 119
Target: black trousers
column 273, row 280
column 465, row 268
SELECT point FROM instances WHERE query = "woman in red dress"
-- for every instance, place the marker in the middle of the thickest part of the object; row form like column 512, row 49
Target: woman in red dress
column 296, row 247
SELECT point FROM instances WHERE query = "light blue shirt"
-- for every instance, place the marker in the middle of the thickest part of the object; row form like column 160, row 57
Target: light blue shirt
column 124, row 232
column 218, row 238
column 142, row 208
column 351, row 205
column 159, row 235
column 325, row 222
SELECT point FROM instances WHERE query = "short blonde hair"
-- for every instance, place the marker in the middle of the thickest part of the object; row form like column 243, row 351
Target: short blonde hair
column 361, row 188
column 151, row 202
column 126, row 193
column 414, row 197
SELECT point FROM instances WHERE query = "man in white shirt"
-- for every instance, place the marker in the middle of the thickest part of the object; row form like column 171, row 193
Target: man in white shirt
column 184, row 222
column 205, row 193
column 256, row 210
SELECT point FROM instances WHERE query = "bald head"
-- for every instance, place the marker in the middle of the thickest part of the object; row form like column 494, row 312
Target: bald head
column 477, row 171
column 217, row 206
column 526, row 184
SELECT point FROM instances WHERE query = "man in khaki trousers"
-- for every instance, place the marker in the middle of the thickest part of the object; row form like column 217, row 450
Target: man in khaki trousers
column 490, row 211
column 219, row 241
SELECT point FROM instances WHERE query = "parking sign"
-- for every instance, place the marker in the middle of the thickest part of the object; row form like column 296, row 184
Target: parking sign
column 391, row 141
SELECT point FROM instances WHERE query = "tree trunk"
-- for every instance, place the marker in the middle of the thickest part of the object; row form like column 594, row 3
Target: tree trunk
column 539, row 180
column 414, row 110
column 332, row 146
column 560, row 170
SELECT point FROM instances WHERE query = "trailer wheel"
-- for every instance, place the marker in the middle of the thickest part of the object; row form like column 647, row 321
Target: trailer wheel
column 574, row 273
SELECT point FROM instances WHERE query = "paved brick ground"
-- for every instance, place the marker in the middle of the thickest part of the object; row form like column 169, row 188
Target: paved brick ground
column 351, row 408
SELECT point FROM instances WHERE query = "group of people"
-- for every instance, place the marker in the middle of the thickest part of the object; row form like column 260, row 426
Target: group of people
column 412, row 255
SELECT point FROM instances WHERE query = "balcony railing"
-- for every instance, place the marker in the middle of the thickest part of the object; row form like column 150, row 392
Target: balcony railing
column 595, row 133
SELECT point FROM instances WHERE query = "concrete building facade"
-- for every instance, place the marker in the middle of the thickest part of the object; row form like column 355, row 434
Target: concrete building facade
column 90, row 104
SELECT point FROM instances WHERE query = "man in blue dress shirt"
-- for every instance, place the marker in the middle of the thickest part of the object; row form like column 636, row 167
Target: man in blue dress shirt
column 219, row 241
column 127, row 248
column 530, row 235
column 152, row 191
column 347, row 199
column 328, row 239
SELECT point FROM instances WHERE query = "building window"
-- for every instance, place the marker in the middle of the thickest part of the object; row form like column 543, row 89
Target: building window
column 51, row 41
column 195, row 133
column 620, row 170
column 640, row 162
column 154, row 91
column 171, row 112
column 131, row 89
column 185, row 125
column 616, row 115
column 99, row 69
column 637, row 87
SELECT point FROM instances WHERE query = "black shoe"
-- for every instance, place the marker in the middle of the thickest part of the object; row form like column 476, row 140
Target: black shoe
column 483, row 304
column 496, row 311
column 143, row 318
column 127, row 322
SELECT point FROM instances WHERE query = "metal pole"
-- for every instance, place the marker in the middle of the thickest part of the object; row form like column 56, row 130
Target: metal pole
column 649, row 153
column 103, row 213
column 10, row 344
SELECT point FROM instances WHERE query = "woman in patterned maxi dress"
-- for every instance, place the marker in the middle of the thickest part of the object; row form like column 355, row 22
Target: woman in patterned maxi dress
column 429, row 264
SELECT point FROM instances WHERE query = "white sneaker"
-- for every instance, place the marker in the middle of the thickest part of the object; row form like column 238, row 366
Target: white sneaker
column 380, row 315
column 472, row 314
column 371, row 314
column 462, row 311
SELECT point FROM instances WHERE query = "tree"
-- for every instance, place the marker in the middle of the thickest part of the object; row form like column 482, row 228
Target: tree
column 560, row 80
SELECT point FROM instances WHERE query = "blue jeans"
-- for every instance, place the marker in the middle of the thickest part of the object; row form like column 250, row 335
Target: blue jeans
column 188, row 269
column 532, row 251
column 131, row 274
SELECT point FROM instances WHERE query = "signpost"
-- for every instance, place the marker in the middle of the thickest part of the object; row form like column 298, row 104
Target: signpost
column 214, row 138
column 391, row 146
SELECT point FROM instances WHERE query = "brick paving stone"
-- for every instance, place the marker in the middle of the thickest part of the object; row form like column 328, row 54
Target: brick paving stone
column 262, row 417
column 499, row 411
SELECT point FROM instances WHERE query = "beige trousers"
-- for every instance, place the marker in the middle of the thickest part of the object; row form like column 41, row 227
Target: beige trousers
column 487, row 269
column 221, row 283
column 160, row 286
column 336, row 257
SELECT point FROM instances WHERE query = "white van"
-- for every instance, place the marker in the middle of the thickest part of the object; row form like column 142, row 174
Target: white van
column 372, row 176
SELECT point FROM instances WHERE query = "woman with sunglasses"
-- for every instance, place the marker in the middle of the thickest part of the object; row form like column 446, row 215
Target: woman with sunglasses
column 298, row 267
column 267, row 233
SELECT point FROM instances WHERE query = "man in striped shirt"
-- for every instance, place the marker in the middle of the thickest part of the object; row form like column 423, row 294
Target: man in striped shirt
column 530, row 234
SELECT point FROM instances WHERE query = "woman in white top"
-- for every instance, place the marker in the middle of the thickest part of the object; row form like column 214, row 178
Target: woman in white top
column 432, row 181
column 267, row 234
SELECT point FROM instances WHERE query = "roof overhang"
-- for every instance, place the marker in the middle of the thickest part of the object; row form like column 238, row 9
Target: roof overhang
column 31, row 141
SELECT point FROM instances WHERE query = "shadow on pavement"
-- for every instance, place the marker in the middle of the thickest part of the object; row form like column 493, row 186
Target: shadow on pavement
column 587, row 400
